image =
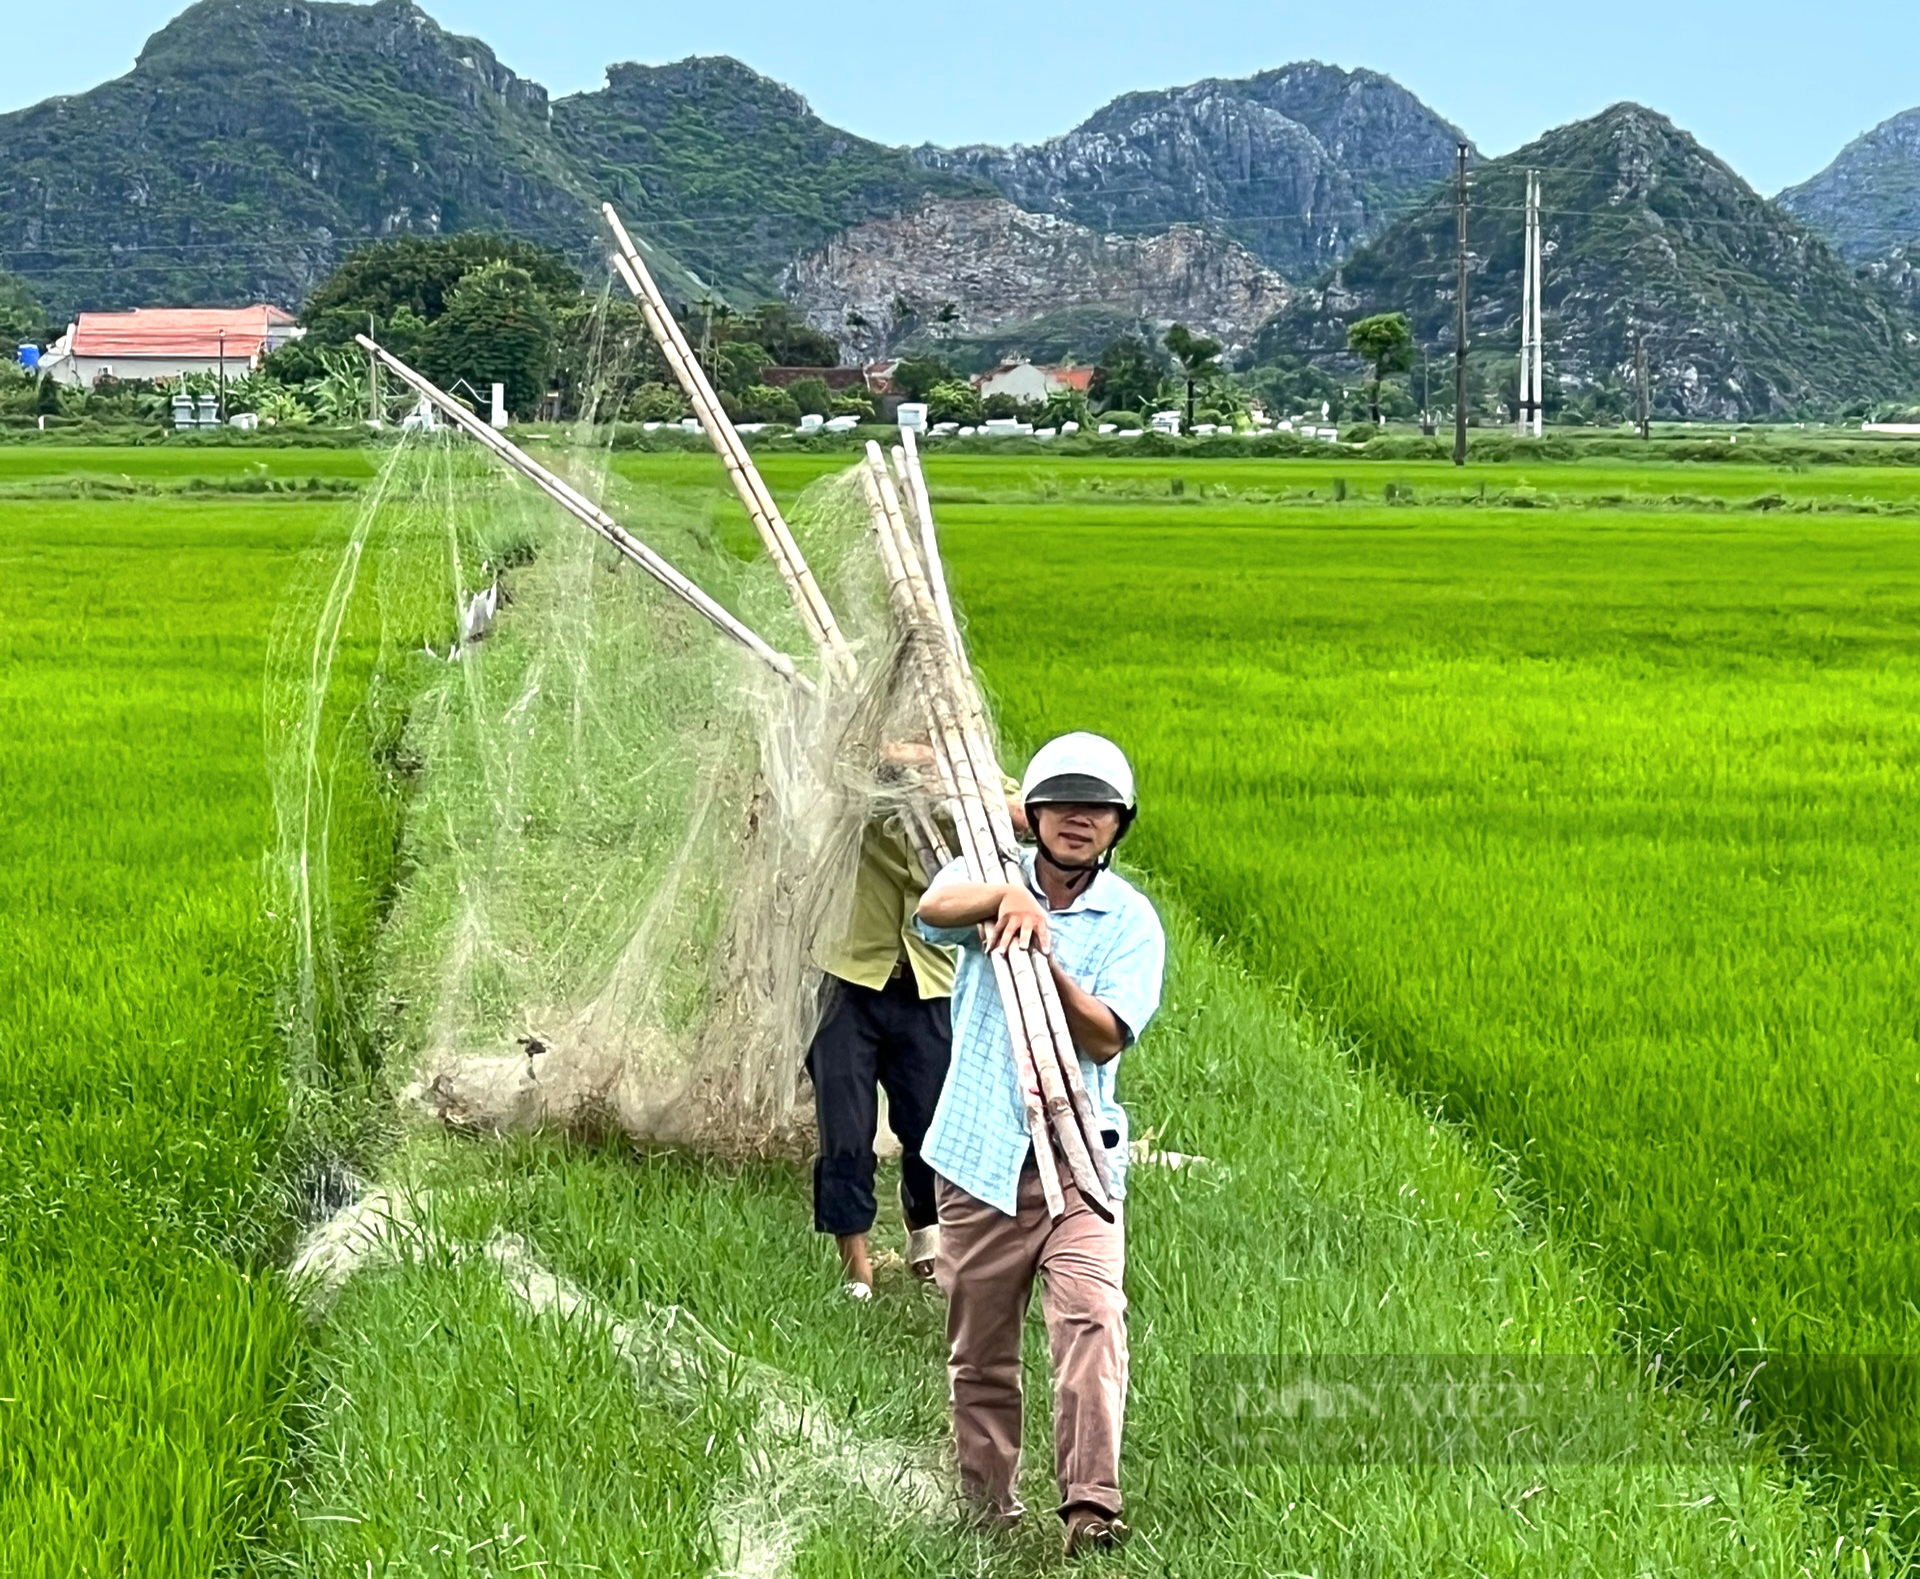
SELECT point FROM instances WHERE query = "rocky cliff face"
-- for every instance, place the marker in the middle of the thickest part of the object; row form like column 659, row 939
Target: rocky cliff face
column 1302, row 164
column 998, row 265
column 1867, row 201
column 1746, row 313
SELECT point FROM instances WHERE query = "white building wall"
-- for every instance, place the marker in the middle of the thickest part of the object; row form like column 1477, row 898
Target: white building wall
column 1025, row 383
column 83, row 372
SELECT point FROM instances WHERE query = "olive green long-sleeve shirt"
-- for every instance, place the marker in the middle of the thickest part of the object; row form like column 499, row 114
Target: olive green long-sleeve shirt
column 880, row 930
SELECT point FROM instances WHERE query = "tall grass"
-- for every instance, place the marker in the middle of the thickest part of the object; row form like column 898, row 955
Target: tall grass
column 1593, row 829
column 147, row 1354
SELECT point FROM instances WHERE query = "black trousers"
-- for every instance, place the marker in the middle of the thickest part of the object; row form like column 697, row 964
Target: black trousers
column 892, row 1039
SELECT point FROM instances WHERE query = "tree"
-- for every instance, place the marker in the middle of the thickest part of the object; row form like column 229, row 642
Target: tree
column 603, row 352
column 812, row 396
column 497, row 328
column 421, row 274
column 1127, row 377
column 1385, row 341
column 954, row 400
column 916, row 375
column 1198, row 356
column 22, row 318
column 790, row 340
column 1064, row 406
column 762, row 403
column 946, row 319
column 656, row 403
column 738, row 365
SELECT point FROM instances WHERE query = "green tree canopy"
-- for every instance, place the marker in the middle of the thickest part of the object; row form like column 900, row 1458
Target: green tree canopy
column 1128, row 375
column 1385, row 342
column 789, row 339
column 915, row 376
column 812, row 396
column 421, row 274
column 498, row 327
column 1198, row 356
column 22, row 318
column 954, row 400
column 738, row 364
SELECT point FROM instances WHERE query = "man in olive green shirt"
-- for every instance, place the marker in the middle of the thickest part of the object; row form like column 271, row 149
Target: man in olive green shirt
column 887, row 1027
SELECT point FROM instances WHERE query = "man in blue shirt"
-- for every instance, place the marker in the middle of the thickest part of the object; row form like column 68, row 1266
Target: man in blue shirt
column 1107, row 953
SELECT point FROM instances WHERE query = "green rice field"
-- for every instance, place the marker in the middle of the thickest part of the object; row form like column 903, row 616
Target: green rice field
column 149, row 1349
column 1590, row 828
column 1578, row 813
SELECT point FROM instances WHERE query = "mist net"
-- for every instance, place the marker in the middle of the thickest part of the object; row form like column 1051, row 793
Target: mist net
column 620, row 841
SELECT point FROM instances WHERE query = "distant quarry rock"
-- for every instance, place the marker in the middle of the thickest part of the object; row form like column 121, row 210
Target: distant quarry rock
column 999, row 265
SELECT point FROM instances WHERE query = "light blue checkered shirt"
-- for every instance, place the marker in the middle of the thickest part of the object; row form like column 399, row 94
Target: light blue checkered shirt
column 1109, row 941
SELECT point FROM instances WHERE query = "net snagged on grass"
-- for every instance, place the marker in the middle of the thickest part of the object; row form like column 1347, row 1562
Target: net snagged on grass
column 624, row 841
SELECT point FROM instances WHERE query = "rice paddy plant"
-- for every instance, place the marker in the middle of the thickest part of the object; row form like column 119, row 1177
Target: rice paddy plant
column 1591, row 828
column 147, row 1352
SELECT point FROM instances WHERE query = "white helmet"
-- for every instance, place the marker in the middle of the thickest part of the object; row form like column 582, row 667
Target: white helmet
column 1087, row 769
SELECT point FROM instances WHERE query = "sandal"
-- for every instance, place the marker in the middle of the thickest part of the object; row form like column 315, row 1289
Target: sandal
column 923, row 1247
column 1090, row 1530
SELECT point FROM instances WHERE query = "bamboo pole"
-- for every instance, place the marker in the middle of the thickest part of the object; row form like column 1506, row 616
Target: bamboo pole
column 588, row 514
column 909, row 460
column 971, row 825
column 930, row 550
column 941, row 606
column 987, row 831
column 1044, row 1022
column 815, row 612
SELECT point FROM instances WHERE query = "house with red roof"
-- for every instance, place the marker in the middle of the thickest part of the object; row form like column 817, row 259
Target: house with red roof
column 165, row 343
column 1029, row 383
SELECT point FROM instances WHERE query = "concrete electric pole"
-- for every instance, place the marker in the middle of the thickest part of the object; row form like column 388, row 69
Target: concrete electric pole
column 1460, row 316
column 1530, row 403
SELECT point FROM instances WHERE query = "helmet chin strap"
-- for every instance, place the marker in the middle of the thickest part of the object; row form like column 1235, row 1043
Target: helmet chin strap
column 1078, row 876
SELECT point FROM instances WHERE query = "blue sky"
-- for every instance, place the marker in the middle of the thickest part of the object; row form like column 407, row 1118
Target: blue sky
column 1774, row 88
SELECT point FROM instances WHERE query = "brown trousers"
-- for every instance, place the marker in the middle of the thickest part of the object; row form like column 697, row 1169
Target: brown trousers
column 986, row 1268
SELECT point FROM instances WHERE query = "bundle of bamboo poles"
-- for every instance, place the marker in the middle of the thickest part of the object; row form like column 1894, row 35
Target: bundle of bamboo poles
column 1059, row 1111
column 1053, row 1093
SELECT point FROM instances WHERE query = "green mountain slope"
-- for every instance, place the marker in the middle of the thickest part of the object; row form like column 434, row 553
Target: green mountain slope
column 1867, row 202
column 1746, row 312
column 255, row 141
column 732, row 171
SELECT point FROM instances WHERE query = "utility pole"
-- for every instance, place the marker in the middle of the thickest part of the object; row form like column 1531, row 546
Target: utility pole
column 373, row 380
column 1640, row 379
column 1521, row 414
column 1539, row 296
column 223, row 375
column 1460, row 317
column 1530, row 403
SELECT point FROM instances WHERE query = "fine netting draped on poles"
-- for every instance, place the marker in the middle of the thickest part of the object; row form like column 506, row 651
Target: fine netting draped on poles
column 621, row 841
